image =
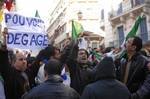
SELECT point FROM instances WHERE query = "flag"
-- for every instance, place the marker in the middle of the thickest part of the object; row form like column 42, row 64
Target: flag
column 63, row 74
column 9, row 4
column 98, row 56
column 37, row 14
column 1, row 15
column 134, row 29
column 76, row 29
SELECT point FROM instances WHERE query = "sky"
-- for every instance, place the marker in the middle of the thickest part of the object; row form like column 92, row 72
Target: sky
column 29, row 7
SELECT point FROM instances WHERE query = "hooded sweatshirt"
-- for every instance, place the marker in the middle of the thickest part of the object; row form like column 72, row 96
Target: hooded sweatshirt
column 106, row 86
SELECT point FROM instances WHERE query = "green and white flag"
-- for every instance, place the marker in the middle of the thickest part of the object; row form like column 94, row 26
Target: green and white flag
column 76, row 29
column 98, row 56
column 134, row 29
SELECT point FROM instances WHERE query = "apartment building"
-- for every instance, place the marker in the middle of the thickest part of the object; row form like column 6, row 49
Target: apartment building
column 121, row 21
column 83, row 11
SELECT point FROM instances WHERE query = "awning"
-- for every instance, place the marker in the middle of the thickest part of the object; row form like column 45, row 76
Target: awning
column 93, row 27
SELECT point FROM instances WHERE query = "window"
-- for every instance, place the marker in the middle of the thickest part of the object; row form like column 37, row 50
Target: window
column 119, row 11
column 102, row 14
column 94, row 44
column 136, row 2
column 143, row 30
column 61, row 29
column 120, row 34
column 111, row 43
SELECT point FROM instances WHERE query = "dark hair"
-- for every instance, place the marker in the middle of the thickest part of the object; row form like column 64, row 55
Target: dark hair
column 49, row 51
column 108, row 49
column 46, row 53
column 30, row 60
column 53, row 67
column 137, row 42
column 11, row 56
column 85, row 52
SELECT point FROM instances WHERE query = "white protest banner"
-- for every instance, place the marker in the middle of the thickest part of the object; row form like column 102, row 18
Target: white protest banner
column 18, row 22
column 25, row 32
column 26, row 40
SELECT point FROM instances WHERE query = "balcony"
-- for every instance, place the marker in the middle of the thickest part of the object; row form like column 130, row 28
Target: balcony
column 135, row 3
column 127, row 7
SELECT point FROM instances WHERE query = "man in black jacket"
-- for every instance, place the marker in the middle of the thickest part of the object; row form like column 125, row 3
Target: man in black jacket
column 106, row 85
column 80, row 69
column 52, row 88
column 17, row 76
column 133, row 71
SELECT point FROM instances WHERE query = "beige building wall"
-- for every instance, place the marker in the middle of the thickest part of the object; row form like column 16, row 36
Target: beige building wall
column 126, row 19
column 109, row 6
column 71, row 8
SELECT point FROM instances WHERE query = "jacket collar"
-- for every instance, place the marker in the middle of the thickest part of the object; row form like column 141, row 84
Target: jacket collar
column 133, row 57
column 54, row 79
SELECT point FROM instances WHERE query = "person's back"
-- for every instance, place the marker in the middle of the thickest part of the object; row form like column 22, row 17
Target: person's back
column 106, row 89
column 106, row 86
column 52, row 88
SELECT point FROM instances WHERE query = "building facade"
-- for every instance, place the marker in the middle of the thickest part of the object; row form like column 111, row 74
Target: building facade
column 83, row 11
column 122, row 20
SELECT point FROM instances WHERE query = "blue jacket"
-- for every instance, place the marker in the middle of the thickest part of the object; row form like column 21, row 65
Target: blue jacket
column 53, row 88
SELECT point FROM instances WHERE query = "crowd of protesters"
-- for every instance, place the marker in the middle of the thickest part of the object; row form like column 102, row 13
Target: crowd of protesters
column 94, row 73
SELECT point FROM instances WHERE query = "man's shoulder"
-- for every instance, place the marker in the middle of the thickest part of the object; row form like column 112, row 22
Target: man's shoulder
column 36, row 91
column 141, row 57
column 50, row 91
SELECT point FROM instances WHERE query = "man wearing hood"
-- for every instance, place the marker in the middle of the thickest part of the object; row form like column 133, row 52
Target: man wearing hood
column 106, row 85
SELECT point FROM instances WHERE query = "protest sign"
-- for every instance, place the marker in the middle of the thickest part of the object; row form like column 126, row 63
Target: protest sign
column 25, row 32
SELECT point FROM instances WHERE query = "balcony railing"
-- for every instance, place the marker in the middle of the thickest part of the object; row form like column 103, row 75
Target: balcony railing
column 124, row 7
column 135, row 3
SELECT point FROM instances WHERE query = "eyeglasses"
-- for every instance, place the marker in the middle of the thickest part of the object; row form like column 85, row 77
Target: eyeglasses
column 21, row 59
